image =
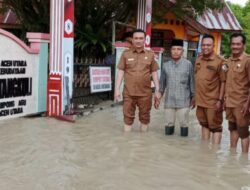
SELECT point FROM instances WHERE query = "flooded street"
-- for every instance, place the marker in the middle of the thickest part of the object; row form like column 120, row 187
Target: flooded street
column 95, row 154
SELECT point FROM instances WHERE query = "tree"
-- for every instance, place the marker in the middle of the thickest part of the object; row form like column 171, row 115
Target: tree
column 182, row 8
column 94, row 22
column 33, row 15
column 245, row 24
column 243, row 16
column 94, row 17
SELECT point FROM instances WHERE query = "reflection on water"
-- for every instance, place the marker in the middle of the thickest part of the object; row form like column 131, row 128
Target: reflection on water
column 94, row 154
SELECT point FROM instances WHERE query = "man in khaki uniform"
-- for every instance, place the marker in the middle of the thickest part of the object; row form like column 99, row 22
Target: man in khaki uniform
column 209, row 90
column 237, row 95
column 136, row 66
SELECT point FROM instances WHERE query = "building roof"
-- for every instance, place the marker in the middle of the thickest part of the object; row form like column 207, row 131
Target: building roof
column 8, row 19
column 212, row 19
column 220, row 20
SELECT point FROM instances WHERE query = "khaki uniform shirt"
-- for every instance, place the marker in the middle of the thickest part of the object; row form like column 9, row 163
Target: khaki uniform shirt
column 137, row 67
column 208, row 77
column 238, row 81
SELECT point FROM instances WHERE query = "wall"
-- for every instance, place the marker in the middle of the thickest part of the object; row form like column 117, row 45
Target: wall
column 23, row 75
column 179, row 29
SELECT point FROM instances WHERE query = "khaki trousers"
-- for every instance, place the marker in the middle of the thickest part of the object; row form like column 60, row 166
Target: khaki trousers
column 180, row 114
column 144, row 104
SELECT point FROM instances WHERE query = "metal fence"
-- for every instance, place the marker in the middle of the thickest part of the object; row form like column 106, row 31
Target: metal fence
column 81, row 83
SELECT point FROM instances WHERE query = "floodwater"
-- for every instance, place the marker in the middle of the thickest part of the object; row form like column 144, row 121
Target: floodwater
column 95, row 154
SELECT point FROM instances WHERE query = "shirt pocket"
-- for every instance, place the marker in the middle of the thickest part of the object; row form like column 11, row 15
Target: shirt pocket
column 130, row 63
column 238, row 72
column 145, row 64
column 211, row 72
column 183, row 76
column 238, row 69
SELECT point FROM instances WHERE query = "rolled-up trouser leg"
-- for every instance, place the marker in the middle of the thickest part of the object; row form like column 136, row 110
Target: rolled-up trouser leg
column 183, row 118
column 144, row 104
column 232, row 126
column 243, row 132
column 182, row 115
column 129, row 106
column 216, row 130
column 242, row 122
column 215, row 119
column 202, row 116
column 170, row 114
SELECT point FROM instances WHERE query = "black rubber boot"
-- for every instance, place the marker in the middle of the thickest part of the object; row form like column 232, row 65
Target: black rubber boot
column 169, row 130
column 184, row 131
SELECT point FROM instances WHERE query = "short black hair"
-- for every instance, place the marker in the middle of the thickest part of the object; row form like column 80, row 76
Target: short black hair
column 126, row 35
column 207, row 36
column 238, row 34
column 138, row 30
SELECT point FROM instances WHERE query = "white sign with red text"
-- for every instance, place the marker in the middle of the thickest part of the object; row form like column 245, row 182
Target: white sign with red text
column 100, row 79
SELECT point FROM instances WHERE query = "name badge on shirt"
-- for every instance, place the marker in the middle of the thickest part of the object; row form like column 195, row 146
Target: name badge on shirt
column 131, row 59
column 225, row 67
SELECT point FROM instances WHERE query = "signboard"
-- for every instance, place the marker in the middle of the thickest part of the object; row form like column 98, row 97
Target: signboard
column 16, row 82
column 18, row 78
column 100, row 79
column 23, row 74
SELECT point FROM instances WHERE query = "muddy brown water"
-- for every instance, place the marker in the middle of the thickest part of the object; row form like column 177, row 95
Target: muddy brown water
column 95, row 154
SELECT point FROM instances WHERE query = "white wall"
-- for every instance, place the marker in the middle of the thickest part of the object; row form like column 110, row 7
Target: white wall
column 10, row 50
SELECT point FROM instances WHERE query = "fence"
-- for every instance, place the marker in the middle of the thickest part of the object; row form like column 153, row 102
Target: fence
column 81, row 91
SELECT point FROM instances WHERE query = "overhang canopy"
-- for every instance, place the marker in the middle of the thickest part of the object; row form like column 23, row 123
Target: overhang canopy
column 220, row 20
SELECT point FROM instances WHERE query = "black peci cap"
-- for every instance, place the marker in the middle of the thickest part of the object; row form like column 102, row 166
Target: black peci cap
column 177, row 42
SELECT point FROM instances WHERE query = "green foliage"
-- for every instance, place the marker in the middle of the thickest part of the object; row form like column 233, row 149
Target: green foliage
column 225, row 50
column 195, row 7
column 184, row 8
column 245, row 24
column 243, row 16
column 91, row 43
column 94, row 18
column 94, row 22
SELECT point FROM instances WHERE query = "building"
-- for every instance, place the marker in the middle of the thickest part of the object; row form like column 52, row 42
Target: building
column 8, row 20
column 189, row 29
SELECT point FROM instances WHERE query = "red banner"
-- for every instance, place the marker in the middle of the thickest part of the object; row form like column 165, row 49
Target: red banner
column 148, row 17
column 69, row 19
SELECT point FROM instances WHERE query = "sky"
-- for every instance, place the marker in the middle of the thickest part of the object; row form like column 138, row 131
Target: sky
column 240, row 2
